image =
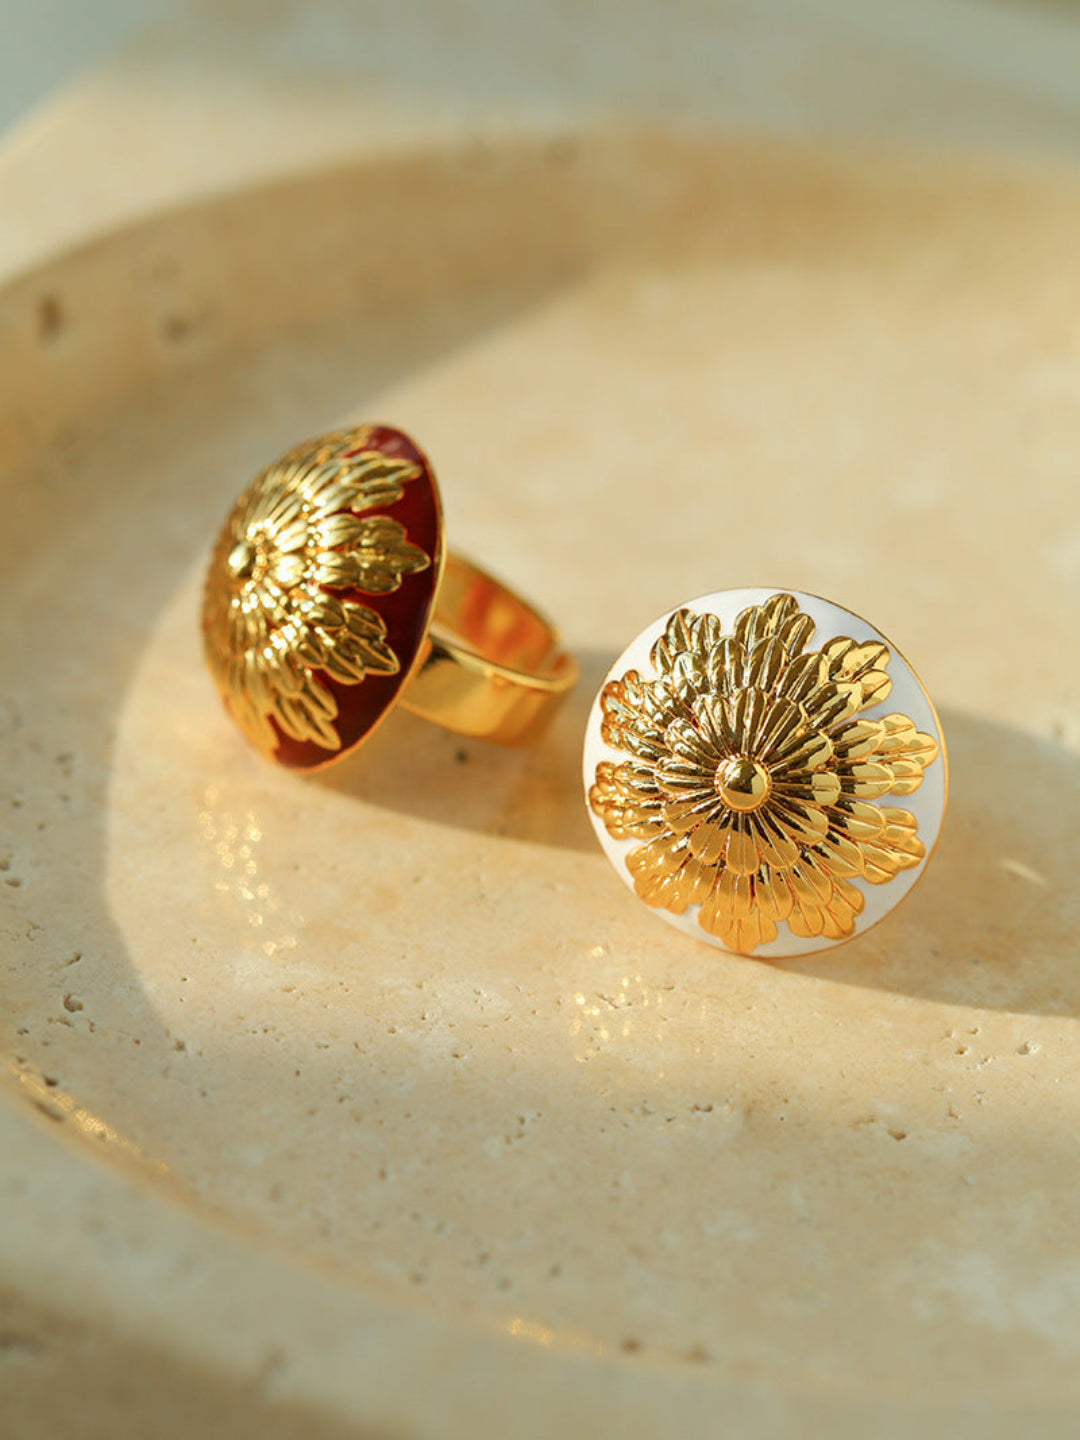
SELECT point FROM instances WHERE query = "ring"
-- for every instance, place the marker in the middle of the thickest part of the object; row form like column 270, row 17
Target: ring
column 329, row 597
column 742, row 763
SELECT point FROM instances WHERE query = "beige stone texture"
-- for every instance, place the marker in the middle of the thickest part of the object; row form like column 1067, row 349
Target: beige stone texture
column 370, row 1104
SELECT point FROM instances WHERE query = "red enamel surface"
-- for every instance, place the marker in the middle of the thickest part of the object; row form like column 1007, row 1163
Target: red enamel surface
column 406, row 612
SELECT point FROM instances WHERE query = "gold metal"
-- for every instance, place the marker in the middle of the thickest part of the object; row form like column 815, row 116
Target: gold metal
column 752, row 777
column 495, row 669
column 271, row 621
column 742, row 783
column 280, row 617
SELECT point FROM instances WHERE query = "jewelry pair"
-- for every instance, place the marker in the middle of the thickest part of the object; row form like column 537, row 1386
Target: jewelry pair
column 762, row 768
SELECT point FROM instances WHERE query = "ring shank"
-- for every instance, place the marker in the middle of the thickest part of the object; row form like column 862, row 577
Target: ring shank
column 494, row 669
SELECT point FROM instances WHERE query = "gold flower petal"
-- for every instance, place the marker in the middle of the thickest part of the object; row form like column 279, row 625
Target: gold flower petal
column 730, row 899
column 901, row 830
column 625, row 798
column 765, row 663
column 796, row 633
column 291, row 535
column 773, row 894
column 626, row 724
column 898, row 848
column 328, row 612
column 635, row 742
column 279, row 508
column 636, row 783
column 745, row 934
column 365, row 480
column 857, row 821
column 865, row 779
column 876, row 687
column 362, row 623
column 684, row 632
column 822, row 906
column 757, row 622
column 253, row 722
column 715, row 918
column 819, row 788
column 313, row 650
column 834, row 704
column 335, row 569
column 840, row 856
column 781, row 731
column 865, row 663
column 755, row 930
column 803, row 678
column 683, row 778
column 709, row 841
column 714, row 729
column 377, row 580
column 384, row 556
column 699, row 809
column 802, row 823
column 339, row 528
column 906, row 751
column 807, row 919
column 747, row 711
column 776, row 848
column 726, row 669
column 653, row 865
column 682, row 680
column 352, row 656
column 749, row 626
column 801, row 751
column 741, row 855
column 287, row 671
column 858, row 739
column 271, row 600
column 691, row 747
column 810, row 882
column 854, row 657
column 777, row 611
column 660, row 705
column 839, row 911
column 303, row 721
column 250, row 700
column 687, row 885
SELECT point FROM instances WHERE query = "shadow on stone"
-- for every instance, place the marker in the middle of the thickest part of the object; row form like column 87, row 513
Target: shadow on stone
column 995, row 922
column 532, row 793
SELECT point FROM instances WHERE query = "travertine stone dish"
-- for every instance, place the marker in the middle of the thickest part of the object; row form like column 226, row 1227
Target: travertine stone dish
column 368, row 1104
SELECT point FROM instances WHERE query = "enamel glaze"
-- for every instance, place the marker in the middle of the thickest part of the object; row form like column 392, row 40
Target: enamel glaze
column 907, row 697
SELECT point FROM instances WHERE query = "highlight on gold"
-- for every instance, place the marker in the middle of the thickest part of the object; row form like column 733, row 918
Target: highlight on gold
column 757, row 782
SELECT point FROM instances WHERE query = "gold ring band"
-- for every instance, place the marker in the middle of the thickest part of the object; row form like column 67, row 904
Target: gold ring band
column 494, row 668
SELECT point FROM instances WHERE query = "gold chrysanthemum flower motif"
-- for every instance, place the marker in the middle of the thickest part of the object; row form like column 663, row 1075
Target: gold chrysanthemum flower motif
column 754, row 774
column 273, row 627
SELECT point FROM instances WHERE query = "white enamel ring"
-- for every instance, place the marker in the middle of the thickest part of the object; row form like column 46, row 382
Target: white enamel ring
column 765, row 770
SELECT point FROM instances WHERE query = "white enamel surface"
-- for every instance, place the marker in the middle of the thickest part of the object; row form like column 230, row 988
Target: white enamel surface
column 907, row 697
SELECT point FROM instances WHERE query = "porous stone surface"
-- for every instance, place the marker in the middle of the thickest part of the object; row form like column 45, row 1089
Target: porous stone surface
column 369, row 1103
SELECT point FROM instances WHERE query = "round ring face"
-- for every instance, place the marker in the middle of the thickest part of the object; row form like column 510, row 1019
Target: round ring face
column 320, row 591
column 766, row 771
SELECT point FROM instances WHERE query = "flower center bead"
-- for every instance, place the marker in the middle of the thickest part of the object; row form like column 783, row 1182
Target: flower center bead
column 743, row 784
